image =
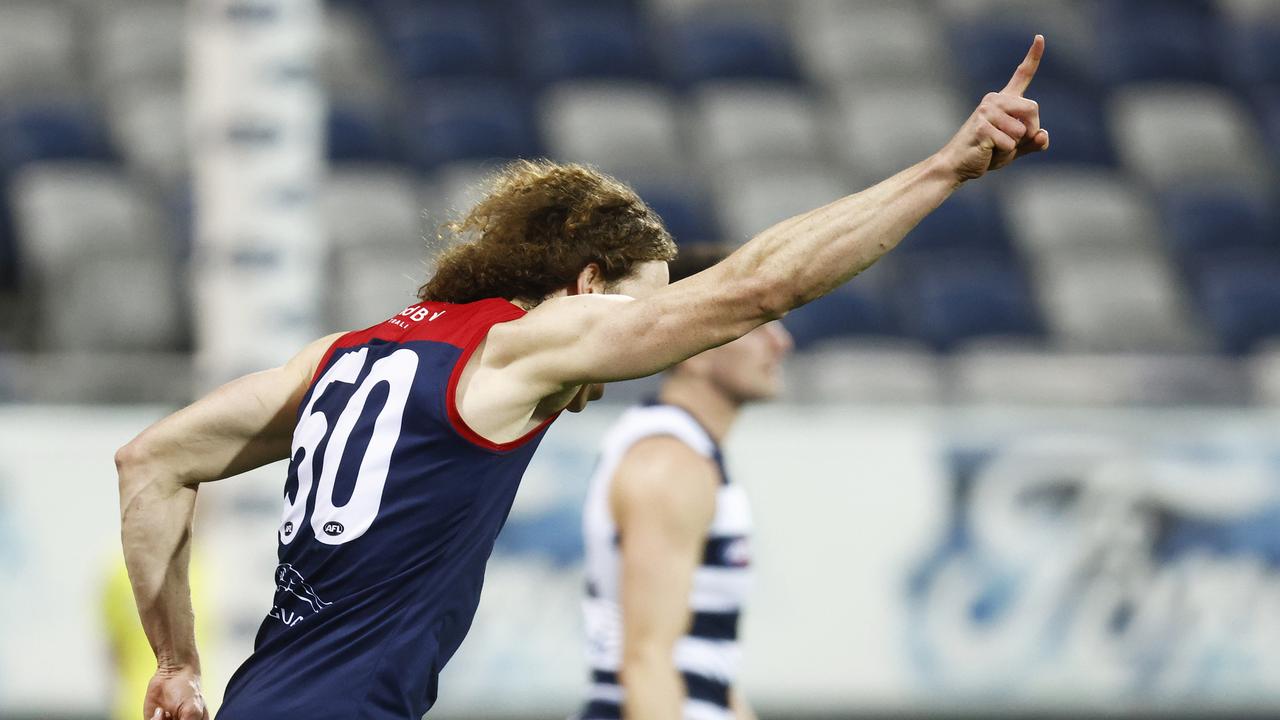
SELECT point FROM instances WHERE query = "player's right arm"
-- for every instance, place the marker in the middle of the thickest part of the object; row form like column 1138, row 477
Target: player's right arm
column 662, row 498
column 591, row 338
column 241, row 425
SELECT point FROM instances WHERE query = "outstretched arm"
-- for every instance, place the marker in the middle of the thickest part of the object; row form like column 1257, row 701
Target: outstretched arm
column 242, row 425
column 663, row 500
column 592, row 338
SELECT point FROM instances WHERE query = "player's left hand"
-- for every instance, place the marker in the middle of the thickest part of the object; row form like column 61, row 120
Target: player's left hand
column 174, row 694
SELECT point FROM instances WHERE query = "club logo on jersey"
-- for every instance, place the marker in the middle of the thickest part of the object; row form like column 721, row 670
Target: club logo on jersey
column 333, row 528
column 295, row 599
column 287, row 529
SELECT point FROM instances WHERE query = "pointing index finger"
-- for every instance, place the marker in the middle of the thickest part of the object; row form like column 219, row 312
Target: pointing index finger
column 1027, row 69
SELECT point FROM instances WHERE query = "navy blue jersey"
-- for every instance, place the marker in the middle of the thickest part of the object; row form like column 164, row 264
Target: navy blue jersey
column 392, row 506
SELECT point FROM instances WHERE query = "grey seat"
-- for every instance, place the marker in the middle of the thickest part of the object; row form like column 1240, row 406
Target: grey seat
column 739, row 121
column 617, row 127
column 1172, row 133
column 874, row 370
column 37, row 49
column 1115, row 301
column 138, row 44
column 1068, row 212
column 372, row 206
column 149, row 125
column 1264, row 370
column 752, row 196
column 370, row 284
column 881, row 130
column 353, row 63
column 856, row 43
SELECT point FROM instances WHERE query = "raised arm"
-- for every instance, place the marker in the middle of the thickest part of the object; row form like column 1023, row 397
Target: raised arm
column 242, row 425
column 590, row 338
column 663, row 500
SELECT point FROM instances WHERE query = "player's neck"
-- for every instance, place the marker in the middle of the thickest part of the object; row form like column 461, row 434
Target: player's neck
column 711, row 407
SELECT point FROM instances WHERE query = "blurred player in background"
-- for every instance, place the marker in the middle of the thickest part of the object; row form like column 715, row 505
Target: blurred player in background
column 407, row 440
column 668, row 536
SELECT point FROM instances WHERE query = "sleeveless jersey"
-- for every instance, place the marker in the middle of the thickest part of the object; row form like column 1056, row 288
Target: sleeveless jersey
column 708, row 655
column 391, row 508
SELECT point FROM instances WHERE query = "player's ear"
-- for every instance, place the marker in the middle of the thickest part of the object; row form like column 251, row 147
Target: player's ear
column 590, row 281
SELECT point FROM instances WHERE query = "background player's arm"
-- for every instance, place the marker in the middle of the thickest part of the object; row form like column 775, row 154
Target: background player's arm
column 241, row 425
column 663, row 500
column 591, row 338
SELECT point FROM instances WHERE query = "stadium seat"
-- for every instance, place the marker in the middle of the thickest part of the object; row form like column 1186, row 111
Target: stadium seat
column 59, row 207
column 707, row 46
column 1240, row 294
column 370, row 284
column 1113, row 300
column 1174, row 133
column 1046, row 217
column 138, row 44
column 1077, row 124
column 736, row 122
column 750, row 197
column 62, row 130
column 882, row 130
column 968, row 220
column 353, row 62
column 1151, row 40
column 149, row 126
column 371, row 206
column 1251, row 51
column 586, row 41
column 113, row 301
column 446, row 39
column 8, row 253
column 851, row 310
column 862, row 43
column 618, row 127
column 467, row 121
column 865, row 370
column 1010, row 375
column 1267, row 102
column 683, row 208
column 359, row 133
column 38, row 50
column 946, row 299
column 1264, row 369
column 987, row 50
column 1201, row 220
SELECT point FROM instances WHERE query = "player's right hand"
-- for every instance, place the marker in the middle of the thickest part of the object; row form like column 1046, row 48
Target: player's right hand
column 174, row 694
column 1003, row 128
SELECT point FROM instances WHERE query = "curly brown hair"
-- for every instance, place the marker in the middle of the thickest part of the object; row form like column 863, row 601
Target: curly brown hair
column 538, row 226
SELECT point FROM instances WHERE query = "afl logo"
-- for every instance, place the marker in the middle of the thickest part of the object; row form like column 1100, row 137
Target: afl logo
column 333, row 529
column 288, row 528
column 738, row 553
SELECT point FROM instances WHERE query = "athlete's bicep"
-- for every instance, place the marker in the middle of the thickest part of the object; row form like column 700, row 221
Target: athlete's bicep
column 663, row 500
column 243, row 424
column 583, row 339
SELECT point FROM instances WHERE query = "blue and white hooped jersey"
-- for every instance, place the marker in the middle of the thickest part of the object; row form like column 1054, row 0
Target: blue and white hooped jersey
column 708, row 655
column 391, row 508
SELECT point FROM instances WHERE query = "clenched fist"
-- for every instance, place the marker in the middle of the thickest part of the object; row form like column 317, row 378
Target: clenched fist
column 175, row 694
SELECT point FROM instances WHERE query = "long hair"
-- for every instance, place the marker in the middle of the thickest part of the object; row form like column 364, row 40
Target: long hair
column 538, row 226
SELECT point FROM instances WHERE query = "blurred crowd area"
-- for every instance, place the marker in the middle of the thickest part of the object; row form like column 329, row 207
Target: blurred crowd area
column 1138, row 262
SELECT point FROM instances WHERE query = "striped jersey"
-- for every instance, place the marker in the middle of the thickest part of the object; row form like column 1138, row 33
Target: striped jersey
column 391, row 508
column 708, row 655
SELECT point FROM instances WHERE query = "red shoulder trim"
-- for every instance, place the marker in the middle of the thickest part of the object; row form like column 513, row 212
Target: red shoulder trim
column 500, row 315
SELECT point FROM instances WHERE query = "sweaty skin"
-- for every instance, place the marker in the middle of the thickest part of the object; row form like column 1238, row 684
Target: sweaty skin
column 532, row 367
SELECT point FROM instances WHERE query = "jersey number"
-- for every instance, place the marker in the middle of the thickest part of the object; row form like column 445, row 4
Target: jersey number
column 332, row 524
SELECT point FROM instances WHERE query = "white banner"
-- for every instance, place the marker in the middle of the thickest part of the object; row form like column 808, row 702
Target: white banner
column 908, row 559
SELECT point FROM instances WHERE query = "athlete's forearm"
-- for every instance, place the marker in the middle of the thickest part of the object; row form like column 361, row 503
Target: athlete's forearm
column 653, row 689
column 155, row 530
column 809, row 255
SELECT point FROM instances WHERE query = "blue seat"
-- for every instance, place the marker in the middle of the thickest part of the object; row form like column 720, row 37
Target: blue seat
column 1077, row 123
column 586, row 42
column 468, row 121
column 946, row 298
column 709, row 48
column 1147, row 40
column 684, row 212
column 1267, row 102
column 1240, row 294
column 1251, row 54
column 358, row 133
column 52, row 131
column 445, row 39
column 850, row 310
column 986, row 52
column 1205, row 220
column 970, row 219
